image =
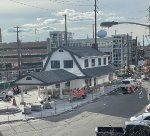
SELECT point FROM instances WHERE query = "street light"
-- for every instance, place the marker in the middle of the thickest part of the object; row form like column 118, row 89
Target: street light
column 110, row 24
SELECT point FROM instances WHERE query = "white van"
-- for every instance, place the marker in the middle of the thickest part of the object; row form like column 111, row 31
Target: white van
column 129, row 85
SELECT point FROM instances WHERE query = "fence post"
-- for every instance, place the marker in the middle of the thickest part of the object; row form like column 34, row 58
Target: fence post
column 55, row 106
column 71, row 105
column 64, row 105
column 8, row 114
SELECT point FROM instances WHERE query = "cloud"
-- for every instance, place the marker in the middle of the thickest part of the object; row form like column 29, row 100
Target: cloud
column 11, row 30
column 73, row 15
column 30, row 25
column 26, row 30
column 42, row 23
column 51, row 21
column 47, row 28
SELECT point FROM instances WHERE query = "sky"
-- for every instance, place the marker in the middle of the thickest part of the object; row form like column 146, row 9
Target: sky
column 36, row 18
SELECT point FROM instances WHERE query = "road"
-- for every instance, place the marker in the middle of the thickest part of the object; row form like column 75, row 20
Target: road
column 111, row 110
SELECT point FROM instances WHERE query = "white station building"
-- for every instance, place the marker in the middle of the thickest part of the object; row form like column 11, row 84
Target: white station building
column 71, row 67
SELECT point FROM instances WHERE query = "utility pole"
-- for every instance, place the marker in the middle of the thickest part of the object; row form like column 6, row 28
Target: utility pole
column 136, row 52
column 93, row 31
column 96, row 47
column 143, row 46
column 149, row 18
column 128, row 51
column 65, row 29
column 0, row 36
column 18, row 49
column 131, row 34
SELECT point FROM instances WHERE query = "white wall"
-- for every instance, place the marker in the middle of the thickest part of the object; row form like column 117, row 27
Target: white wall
column 73, row 84
column 77, row 83
column 102, row 79
column 81, row 61
column 61, row 56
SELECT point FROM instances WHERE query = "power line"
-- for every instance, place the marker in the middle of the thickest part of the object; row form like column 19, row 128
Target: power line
column 29, row 5
column 71, row 4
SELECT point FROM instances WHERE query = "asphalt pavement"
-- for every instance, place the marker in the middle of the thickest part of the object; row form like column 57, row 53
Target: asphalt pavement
column 109, row 110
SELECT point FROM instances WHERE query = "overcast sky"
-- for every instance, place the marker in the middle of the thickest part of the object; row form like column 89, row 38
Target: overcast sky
column 47, row 15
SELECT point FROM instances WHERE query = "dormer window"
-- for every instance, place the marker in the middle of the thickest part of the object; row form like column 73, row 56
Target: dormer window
column 104, row 60
column 61, row 50
column 28, row 78
column 93, row 62
column 86, row 63
column 99, row 62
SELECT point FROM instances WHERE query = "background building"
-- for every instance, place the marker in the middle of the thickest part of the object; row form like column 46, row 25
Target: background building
column 32, row 53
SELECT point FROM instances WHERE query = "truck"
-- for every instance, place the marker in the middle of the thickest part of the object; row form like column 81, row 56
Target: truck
column 129, row 85
column 132, row 128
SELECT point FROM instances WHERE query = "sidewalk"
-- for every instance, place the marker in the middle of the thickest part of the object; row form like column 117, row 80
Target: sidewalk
column 59, row 106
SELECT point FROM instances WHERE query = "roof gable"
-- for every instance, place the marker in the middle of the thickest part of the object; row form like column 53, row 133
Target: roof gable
column 47, row 77
column 53, row 76
column 29, row 80
column 79, row 51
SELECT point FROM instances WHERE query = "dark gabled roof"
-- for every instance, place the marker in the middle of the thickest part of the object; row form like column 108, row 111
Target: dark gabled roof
column 83, row 51
column 98, row 71
column 53, row 76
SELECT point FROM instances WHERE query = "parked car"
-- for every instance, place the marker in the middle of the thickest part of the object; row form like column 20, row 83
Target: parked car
column 144, row 116
column 137, row 128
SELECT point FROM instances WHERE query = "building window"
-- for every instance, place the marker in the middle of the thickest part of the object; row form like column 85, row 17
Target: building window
column 86, row 63
column 57, row 85
column 68, row 63
column 93, row 62
column 104, row 59
column 61, row 50
column 99, row 62
column 55, row 64
column 28, row 78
